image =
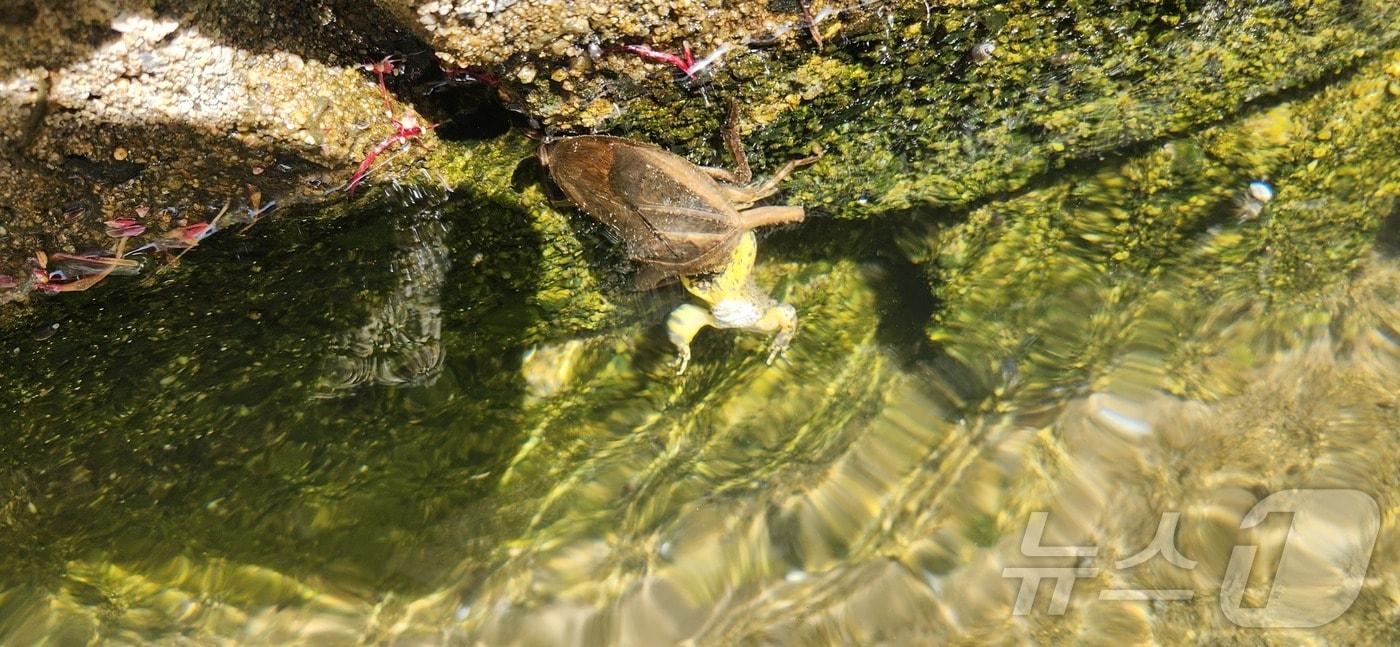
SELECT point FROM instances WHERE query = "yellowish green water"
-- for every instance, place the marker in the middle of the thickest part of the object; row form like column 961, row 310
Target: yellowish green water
column 363, row 447
column 873, row 500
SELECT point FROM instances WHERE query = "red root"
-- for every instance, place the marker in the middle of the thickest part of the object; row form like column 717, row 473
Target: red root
column 405, row 129
column 685, row 62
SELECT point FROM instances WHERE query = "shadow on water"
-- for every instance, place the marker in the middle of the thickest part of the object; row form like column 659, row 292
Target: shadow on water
column 1388, row 235
column 177, row 417
column 903, row 296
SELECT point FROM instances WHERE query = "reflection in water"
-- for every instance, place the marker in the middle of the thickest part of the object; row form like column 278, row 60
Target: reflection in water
column 401, row 344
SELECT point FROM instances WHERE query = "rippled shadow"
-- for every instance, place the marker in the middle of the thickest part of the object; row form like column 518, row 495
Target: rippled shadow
column 174, row 415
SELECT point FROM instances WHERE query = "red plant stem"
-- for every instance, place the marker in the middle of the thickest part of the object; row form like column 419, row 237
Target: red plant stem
column 402, row 134
column 384, row 66
column 369, row 161
column 684, row 63
column 384, row 89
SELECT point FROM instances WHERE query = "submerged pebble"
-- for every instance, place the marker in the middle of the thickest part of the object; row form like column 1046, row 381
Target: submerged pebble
column 1258, row 194
column 46, row 332
column 1261, row 191
column 982, row 52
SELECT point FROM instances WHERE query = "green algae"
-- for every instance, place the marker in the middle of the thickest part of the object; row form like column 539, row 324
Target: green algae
column 907, row 118
column 202, row 395
column 1145, row 234
column 528, row 273
column 511, row 222
column 209, row 444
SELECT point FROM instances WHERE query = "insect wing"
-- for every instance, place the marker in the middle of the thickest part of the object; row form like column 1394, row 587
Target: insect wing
column 668, row 213
column 582, row 167
column 679, row 207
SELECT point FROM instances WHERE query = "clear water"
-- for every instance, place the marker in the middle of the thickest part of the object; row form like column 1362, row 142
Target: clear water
column 359, row 431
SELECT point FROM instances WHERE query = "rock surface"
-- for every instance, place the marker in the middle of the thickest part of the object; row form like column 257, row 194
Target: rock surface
column 121, row 109
column 111, row 110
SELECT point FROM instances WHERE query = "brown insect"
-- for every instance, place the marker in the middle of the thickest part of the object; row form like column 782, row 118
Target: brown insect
column 682, row 220
column 674, row 217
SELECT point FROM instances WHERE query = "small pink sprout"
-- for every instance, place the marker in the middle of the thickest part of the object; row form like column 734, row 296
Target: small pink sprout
column 685, row 62
column 8, row 282
column 405, row 128
column 386, row 66
column 124, row 228
column 182, row 238
column 179, row 238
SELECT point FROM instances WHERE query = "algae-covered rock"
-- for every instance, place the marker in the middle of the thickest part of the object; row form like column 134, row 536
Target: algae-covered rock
column 1175, row 224
column 127, row 109
column 916, row 103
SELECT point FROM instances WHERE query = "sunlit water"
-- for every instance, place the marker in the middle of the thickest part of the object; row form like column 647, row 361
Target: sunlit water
column 347, row 442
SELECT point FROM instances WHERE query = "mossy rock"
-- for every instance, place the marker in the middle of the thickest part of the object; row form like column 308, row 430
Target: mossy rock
column 909, row 116
column 1171, row 229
